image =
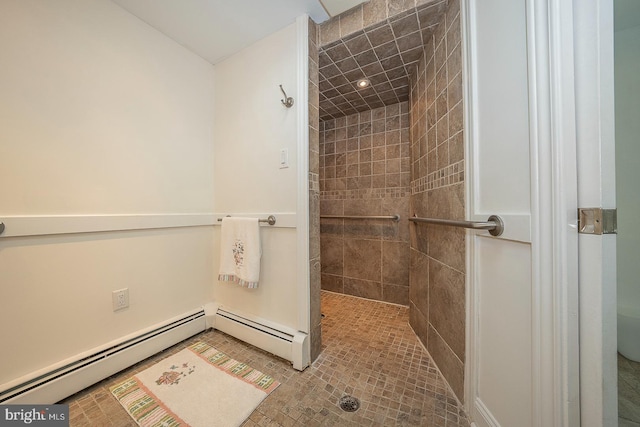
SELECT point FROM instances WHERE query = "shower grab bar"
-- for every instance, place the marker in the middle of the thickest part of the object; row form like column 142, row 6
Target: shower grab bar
column 271, row 220
column 494, row 225
column 391, row 217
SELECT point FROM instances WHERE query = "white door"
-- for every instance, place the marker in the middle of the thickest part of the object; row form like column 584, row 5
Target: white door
column 522, row 360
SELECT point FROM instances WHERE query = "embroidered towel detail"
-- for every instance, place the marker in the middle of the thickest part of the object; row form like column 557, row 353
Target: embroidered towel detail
column 240, row 251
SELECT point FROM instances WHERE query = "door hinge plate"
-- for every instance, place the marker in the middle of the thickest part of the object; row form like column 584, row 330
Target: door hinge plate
column 597, row 221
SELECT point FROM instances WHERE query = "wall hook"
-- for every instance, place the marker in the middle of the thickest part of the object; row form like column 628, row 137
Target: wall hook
column 287, row 101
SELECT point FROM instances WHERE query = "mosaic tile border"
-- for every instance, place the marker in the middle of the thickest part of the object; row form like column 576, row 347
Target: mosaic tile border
column 314, row 182
column 367, row 193
column 450, row 175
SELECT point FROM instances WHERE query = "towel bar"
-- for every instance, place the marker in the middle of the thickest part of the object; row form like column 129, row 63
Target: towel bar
column 392, row 217
column 271, row 220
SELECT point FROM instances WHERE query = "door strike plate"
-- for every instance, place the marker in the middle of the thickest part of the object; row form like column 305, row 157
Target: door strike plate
column 597, row 221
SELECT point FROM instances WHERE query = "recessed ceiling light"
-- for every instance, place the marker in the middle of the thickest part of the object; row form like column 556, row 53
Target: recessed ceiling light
column 362, row 83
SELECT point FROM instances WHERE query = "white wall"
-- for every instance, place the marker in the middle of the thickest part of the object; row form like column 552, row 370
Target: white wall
column 99, row 114
column 627, row 92
column 251, row 126
column 94, row 102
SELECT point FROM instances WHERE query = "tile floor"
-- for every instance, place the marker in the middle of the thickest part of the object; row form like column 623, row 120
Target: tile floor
column 628, row 392
column 369, row 352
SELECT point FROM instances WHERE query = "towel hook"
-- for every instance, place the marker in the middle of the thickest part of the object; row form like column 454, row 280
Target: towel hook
column 287, row 101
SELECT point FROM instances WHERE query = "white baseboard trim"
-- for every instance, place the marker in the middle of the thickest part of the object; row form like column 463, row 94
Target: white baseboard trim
column 59, row 381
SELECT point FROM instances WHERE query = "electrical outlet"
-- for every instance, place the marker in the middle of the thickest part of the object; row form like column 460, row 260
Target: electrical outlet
column 120, row 299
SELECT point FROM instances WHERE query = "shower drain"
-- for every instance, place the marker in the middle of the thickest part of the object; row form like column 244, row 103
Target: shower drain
column 349, row 403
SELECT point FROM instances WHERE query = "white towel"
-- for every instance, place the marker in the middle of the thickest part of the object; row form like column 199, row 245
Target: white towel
column 240, row 251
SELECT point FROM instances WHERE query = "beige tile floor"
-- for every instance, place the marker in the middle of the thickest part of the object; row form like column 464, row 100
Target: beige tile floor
column 628, row 392
column 369, row 352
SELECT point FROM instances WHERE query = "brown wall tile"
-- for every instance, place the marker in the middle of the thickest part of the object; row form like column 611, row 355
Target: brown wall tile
column 397, row 6
column 329, row 31
column 332, row 254
column 454, row 62
column 363, row 288
column 395, row 263
column 454, row 90
column 330, row 227
column 456, row 119
column 316, row 341
column 314, row 224
column 351, row 21
column 437, row 271
column 456, row 148
column 396, row 230
column 447, row 245
column 450, row 366
column 363, row 207
column 447, row 305
column 453, row 10
column 374, row 11
column 363, row 259
column 366, row 15
column 314, row 267
column 314, row 197
column 333, row 283
column 376, row 167
column 419, row 282
column 419, row 324
column 395, row 294
column 332, row 207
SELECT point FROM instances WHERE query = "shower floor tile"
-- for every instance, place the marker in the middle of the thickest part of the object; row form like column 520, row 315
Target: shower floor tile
column 369, row 352
column 628, row 391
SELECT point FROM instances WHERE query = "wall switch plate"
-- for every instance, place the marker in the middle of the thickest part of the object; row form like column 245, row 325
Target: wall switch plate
column 120, row 299
column 284, row 158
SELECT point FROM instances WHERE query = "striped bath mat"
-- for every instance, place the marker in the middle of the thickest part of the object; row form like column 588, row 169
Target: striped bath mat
column 199, row 386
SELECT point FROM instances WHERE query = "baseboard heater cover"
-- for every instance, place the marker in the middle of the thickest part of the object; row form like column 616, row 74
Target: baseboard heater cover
column 276, row 339
column 58, row 382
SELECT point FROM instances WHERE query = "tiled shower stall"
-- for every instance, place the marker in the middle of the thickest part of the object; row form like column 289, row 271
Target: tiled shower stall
column 396, row 147
column 365, row 165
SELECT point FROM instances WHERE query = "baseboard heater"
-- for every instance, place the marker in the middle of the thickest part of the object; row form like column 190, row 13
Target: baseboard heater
column 276, row 339
column 59, row 381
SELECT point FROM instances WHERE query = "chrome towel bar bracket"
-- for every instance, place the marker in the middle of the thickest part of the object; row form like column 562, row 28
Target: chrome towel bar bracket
column 1, row 227
column 494, row 224
column 271, row 220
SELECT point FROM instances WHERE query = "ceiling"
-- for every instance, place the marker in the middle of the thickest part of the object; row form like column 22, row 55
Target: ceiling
column 383, row 53
column 216, row 29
